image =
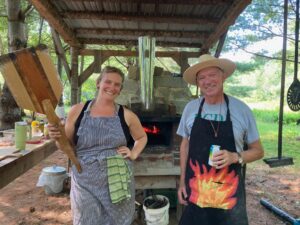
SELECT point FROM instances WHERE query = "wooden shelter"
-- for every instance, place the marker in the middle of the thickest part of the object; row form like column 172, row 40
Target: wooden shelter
column 84, row 24
column 197, row 24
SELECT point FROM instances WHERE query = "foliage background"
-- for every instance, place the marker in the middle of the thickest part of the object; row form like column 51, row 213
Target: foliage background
column 256, row 81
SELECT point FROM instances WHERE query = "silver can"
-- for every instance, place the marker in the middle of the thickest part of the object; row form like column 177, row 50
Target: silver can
column 212, row 150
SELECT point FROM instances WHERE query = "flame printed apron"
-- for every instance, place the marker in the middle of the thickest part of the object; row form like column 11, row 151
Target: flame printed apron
column 215, row 196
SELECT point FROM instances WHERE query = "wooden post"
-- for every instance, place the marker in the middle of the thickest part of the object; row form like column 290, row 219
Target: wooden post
column 60, row 52
column 74, row 75
column 183, row 62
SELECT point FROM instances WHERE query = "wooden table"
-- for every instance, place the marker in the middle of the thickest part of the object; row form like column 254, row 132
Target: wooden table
column 11, row 168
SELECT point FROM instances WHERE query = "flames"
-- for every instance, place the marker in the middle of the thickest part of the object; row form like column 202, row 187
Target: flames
column 213, row 189
column 151, row 129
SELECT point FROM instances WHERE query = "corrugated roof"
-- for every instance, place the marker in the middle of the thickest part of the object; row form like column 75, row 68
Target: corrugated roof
column 185, row 23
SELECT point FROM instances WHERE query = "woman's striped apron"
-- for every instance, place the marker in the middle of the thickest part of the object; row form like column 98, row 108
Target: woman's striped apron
column 99, row 137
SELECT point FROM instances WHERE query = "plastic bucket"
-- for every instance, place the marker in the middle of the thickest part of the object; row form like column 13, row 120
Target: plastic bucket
column 157, row 216
column 52, row 179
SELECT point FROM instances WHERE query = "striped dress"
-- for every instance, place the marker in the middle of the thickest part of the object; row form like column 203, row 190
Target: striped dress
column 99, row 137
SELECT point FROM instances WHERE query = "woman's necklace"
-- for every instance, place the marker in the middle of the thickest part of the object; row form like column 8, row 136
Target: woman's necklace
column 216, row 131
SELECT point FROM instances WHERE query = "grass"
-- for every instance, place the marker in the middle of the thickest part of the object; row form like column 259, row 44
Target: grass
column 268, row 129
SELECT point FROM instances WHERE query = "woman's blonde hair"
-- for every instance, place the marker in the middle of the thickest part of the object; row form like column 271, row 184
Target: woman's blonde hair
column 110, row 69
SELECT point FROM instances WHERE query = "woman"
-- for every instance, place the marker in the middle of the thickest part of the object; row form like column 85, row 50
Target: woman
column 102, row 134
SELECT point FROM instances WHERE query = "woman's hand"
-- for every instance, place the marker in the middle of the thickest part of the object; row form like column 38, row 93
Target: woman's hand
column 224, row 158
column 54, row 132
column 127, row 153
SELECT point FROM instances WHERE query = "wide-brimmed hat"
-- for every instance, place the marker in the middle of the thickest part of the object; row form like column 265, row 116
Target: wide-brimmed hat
column 206, row 61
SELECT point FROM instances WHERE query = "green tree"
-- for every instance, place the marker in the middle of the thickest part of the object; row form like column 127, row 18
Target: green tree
column 262, row 20
column 9, row 111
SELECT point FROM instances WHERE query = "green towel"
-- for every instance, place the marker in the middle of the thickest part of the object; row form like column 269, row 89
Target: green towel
column 119, row 177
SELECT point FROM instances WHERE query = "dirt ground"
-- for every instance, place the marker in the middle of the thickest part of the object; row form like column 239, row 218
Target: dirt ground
column 22, row 203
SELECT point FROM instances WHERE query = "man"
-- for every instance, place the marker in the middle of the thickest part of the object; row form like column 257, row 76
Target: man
column 214, row 194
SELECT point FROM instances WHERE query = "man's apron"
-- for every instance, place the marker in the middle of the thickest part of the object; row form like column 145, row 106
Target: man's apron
column 215, row 196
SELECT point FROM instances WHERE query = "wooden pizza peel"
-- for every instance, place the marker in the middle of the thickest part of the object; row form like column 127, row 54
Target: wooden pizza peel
column 35, row 85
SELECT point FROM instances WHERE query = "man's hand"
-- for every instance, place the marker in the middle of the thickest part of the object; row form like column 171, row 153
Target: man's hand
column 182, row 195
column 224, row 158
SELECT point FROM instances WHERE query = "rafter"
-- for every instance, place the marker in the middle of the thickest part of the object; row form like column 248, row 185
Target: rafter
column 184, row 2
column 144, row 18
column 135, row 43
column 86, row 73
column 228, row 19
column 211, row 27
column 47, row 10
column 137, row 33
column 61, row 52
column 126, row 53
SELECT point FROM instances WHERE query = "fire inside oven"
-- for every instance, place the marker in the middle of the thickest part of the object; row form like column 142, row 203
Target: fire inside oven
column 159, row 133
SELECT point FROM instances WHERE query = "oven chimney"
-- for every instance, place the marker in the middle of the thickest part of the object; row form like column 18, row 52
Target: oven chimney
column 146, row 61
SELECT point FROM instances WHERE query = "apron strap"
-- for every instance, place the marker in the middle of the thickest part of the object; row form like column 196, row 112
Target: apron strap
column 227, row 104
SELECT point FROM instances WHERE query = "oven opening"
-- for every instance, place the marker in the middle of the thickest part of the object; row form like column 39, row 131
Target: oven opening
column 159, row 133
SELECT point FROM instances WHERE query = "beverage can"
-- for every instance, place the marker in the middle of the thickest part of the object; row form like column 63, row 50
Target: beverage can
column 41, row 126
column 46, row 131
column 212, row 150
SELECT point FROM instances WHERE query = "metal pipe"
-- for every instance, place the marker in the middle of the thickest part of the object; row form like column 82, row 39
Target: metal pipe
column 282, row 79
column 282, row 214
column 146, row 61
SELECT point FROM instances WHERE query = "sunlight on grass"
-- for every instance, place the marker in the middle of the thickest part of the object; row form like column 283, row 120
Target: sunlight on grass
column 269, row 138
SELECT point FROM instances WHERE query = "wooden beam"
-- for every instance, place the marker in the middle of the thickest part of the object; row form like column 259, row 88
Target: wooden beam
column 86, row 73
column 16, row 167
column 182, row 61
column 183, row 2
column 91, row 52
column 184, row 64
column 107, row 53
column 98, row 62
column 74, row 76
column 61, row 52
column 135, row 43
column 220, row 44
column 94, row 67
column 92, row 15
column 48, row 11
column 138, row 33
column 228, row 19
column 172, row 53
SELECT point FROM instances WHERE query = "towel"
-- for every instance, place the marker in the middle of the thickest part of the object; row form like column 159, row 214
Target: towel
column 119, row 177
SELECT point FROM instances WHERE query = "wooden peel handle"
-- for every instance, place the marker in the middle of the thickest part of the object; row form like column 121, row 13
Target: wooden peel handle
column 63, row 140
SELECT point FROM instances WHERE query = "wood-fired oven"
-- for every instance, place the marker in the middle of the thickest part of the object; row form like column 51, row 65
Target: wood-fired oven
column 161, row 131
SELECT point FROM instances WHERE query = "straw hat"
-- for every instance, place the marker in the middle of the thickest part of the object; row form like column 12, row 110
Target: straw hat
column 206, row 61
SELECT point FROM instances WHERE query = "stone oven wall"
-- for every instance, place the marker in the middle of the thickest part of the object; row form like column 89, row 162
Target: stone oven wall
column 169, row 90
column 171, row 94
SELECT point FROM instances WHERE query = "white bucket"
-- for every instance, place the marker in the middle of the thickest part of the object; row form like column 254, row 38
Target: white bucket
column 52, row 179
column 158, row 216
